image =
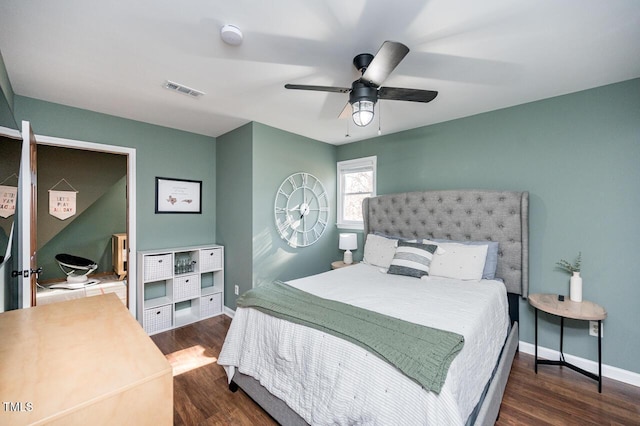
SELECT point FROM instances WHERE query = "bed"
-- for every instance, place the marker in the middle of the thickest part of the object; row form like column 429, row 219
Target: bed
column 307, row 376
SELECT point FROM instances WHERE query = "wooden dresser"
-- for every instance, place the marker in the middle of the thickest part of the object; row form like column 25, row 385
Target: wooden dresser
column 80, row 362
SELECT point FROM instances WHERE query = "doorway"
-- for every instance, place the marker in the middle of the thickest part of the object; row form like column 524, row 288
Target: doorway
column 65, row 154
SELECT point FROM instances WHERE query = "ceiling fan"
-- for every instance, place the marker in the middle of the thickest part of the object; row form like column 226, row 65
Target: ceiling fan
column 365, row 91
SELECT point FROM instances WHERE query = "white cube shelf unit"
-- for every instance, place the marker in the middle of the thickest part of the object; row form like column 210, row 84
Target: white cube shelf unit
column 179, row 286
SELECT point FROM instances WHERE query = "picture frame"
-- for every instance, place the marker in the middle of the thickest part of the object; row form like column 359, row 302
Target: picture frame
column 178, row 196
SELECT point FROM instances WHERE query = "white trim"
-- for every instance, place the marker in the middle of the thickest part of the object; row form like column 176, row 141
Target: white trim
column 351, row 226
column 24, row 218
column 90, row 146
column 131, row 194
column 608, row 371
column 352, row 166
column 229, row 312
column 12, row 133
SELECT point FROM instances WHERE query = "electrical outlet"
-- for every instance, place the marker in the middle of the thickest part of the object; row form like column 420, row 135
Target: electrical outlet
column 593, row 329
column 236, row 290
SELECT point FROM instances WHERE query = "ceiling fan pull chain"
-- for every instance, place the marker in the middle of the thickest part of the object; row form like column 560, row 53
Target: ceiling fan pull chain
column 379, row 119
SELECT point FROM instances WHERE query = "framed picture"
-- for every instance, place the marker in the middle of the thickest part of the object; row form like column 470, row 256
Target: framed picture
column 178, row 195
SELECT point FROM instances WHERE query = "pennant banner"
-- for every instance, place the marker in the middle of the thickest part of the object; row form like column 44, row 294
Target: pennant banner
column 62, row 204
column 7, row 200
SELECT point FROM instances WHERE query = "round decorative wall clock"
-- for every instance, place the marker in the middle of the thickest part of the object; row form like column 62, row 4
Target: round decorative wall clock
column 301, row 209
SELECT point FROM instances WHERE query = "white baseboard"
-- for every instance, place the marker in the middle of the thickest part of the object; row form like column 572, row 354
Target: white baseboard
column 229, row 312
column 608, row 371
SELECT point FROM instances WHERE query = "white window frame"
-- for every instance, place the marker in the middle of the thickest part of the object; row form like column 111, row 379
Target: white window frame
column 350, row 166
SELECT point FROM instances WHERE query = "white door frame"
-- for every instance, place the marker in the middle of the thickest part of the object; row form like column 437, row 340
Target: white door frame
column 25, row 180
column 131, row 198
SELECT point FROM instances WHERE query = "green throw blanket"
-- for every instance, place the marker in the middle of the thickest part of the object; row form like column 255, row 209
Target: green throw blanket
column 421, row 353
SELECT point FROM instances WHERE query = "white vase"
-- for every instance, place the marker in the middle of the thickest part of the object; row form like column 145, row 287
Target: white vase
column 575, row 287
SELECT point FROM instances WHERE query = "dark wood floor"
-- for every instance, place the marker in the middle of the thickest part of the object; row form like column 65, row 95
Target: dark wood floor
column 555, row 396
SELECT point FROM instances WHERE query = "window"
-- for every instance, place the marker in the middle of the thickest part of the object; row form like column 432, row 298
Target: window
column 356, row 181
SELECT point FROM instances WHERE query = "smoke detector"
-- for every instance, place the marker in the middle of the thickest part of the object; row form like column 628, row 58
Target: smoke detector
column 231, row 34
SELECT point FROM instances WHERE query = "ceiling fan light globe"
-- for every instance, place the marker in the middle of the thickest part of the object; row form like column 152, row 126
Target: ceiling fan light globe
column 362, row 113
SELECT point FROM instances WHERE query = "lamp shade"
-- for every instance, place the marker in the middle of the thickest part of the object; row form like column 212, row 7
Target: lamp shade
column 348, row 242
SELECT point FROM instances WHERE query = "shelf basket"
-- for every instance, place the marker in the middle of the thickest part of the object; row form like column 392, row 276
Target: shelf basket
column 211, row 259
column 157, row 319
column 186, row 287
column 158, row 267
column 210, row 305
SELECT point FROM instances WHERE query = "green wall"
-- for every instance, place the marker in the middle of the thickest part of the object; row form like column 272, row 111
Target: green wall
column 160, row 151
column 89, row 235
column 234, row 167
column 252, row 163
column 5, row 85
column 579, row 157
column 6, row 98
column 90, row 173
column 276, row 155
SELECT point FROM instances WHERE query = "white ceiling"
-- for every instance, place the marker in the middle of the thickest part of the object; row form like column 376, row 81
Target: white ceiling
column 114, row 56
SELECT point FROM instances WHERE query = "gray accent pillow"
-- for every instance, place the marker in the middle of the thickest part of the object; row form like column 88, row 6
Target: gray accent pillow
column 379, row 250
column 412, row 259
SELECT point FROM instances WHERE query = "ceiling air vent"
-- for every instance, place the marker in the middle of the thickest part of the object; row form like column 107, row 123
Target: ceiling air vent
column 180, row 88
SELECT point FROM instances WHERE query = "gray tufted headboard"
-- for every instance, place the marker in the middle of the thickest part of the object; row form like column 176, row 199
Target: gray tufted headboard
column 475, row 215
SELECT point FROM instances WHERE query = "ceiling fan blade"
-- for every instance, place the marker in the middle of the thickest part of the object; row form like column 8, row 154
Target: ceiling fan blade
column 412, row 95
column 346, row 111
column 318, row 88
column 391, row 53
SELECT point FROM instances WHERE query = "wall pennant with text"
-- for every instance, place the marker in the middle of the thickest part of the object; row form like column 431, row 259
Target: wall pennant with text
column 7, row 200
column 62, row 204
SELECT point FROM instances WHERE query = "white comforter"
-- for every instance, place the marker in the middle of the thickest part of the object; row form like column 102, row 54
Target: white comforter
column 330, row 381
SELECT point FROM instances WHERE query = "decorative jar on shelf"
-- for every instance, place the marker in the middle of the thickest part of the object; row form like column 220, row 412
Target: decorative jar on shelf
column 575, row 287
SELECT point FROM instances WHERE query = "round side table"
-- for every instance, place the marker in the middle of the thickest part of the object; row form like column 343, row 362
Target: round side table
column 340, row 264
column 585, row 310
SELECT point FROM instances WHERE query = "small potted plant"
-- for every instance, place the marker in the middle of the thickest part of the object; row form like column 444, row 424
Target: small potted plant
column 575, row 287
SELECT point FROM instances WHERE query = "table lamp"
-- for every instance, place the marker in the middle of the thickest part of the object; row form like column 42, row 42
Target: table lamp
column 348, row 242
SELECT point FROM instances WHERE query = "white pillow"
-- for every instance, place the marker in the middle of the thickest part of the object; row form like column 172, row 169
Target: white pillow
column 379, row 251
column 459, row 261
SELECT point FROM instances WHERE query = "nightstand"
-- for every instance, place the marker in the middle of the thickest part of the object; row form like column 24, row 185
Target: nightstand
column 340, row 264
column 585, row 310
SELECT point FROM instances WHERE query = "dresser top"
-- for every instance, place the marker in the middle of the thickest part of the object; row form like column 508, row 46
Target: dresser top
column 63, row 356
